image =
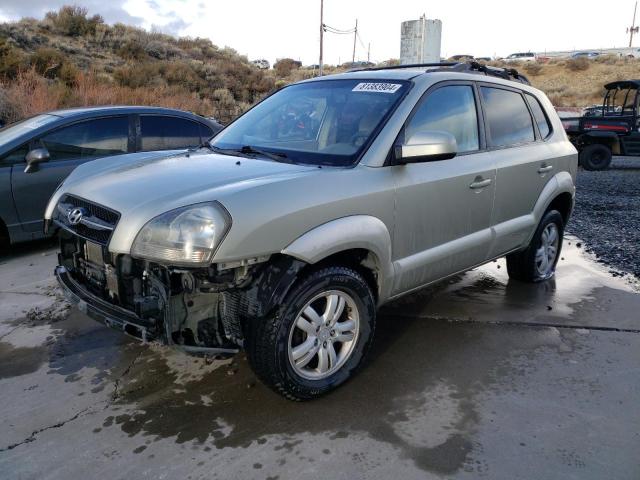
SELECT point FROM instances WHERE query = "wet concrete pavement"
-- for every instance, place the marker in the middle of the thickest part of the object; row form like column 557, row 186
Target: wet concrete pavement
column 477, row 377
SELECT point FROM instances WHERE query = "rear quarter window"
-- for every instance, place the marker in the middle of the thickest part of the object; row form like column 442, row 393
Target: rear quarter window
column 507, row 117
column 540, row 117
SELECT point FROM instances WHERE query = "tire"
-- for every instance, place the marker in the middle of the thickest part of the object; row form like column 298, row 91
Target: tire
column 273, row 342
column 527, row 265
column 595, row 157
column 5, row 242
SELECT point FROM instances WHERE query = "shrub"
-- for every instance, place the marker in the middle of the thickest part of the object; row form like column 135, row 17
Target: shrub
column 284, row 66
column 578, row 64
column 47, row 61
column 132, row 50
column 11, row 60
column 533, row 68
column 73, row 21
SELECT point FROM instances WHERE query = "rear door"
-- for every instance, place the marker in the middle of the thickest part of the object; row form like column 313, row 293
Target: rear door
column 164, row 132
column 524, row 161
column 68, row 146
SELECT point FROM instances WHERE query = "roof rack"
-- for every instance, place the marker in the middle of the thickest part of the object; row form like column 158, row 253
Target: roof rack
column 466, row 67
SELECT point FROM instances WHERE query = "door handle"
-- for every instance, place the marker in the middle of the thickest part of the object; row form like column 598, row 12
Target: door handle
column 545, row 168
column 479, row 183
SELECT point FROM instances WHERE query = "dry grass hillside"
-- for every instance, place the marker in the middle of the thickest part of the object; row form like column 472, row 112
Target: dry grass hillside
column 71, row 58
column 578, row 82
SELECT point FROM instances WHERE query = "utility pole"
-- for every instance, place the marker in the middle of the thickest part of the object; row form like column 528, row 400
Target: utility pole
column 368, row 52
column 633, row 29
column 321, row 34
column 355, row 35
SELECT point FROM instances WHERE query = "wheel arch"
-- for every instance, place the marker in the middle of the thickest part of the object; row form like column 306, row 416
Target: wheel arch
column 559, row 193
column 361, row 242
column 563, row 203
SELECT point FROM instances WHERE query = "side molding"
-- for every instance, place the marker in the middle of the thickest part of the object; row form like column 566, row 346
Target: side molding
column 346, row 233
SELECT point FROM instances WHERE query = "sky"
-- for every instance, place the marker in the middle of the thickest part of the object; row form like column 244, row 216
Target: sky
column 290, row 28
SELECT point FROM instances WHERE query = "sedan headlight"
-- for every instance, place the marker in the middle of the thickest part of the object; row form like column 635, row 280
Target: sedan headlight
column 187, row 235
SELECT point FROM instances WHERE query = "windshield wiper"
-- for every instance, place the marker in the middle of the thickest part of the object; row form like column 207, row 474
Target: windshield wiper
column 232, row 152
column 248, row 149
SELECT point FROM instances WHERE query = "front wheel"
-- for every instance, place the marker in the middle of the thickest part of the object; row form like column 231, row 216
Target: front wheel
column 538, row 261
column 317, row 338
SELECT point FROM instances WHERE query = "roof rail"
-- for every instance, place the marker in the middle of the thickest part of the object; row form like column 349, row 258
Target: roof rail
column 466, row 67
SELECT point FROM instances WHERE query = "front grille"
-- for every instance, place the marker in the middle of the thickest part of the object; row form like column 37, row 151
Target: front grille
column 97, row 223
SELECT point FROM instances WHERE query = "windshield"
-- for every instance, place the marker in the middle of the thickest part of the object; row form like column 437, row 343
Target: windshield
column 15, row 130
column 320, row 123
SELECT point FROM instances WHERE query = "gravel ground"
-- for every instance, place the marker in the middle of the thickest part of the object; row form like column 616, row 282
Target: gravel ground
column 607, row 214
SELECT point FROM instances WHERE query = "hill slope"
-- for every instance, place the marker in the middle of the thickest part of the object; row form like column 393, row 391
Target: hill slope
column 70, row 58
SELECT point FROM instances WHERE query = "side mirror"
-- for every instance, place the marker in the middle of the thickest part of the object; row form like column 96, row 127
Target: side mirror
column 426, row 147
column 36, row 157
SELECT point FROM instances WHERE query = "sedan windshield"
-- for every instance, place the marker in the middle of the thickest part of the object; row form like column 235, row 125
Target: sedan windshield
column 15, row 130
column 327, row 122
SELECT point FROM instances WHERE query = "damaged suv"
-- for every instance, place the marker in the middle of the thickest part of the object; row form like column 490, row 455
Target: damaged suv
column 333, row 196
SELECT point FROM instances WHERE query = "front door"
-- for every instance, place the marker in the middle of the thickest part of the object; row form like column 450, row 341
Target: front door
column 68, row 147
column 443, row 208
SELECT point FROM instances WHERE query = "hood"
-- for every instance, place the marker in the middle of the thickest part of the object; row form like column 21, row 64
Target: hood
column 142, row 186
column 172, row 180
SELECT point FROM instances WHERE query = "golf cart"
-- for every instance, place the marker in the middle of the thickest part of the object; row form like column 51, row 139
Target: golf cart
column 608, row 130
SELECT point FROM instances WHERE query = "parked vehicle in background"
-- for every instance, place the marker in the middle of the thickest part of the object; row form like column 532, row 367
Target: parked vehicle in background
column 461, row 58
column 326, row 200
column 611, row 129
column 38, row 153
column 262, row 64
column 521, row 57
column 589, row 55
column 483, row 59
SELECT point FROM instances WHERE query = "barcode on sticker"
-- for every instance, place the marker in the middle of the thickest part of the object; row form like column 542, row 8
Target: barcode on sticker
column 377, row 87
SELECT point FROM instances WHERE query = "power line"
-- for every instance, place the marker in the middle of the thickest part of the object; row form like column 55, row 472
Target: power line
column 329, row 29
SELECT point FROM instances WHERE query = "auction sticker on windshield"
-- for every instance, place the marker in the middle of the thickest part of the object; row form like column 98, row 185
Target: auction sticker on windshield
column 377, row 87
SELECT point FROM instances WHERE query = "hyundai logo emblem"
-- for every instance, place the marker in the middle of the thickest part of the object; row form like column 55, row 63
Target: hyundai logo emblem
column 75, row 215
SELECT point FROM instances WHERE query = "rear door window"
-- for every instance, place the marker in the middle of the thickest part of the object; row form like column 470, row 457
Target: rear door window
column 167, row 133
column 507, row 116
column 101, row 137
column 450, row 109
column 540, row 117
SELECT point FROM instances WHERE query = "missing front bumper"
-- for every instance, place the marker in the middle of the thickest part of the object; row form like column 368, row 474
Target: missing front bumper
column 121, row 319
column 110, row 315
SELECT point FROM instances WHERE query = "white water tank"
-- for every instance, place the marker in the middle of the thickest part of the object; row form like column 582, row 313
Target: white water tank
column 420, row 41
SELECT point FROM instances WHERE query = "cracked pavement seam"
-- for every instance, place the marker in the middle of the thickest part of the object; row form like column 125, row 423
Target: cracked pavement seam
column 116, row 383
column 34, row 434
column 114, row 397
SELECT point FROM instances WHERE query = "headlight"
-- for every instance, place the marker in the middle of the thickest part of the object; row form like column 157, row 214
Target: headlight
column 187, row 235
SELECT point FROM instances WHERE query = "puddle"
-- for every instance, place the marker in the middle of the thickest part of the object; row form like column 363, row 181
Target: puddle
column 16, row 361
column 582, row 293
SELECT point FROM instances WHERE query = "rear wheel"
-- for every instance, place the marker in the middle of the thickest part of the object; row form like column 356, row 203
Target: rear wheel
column 538, row 261
column 595, row 157
column 317, row 338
